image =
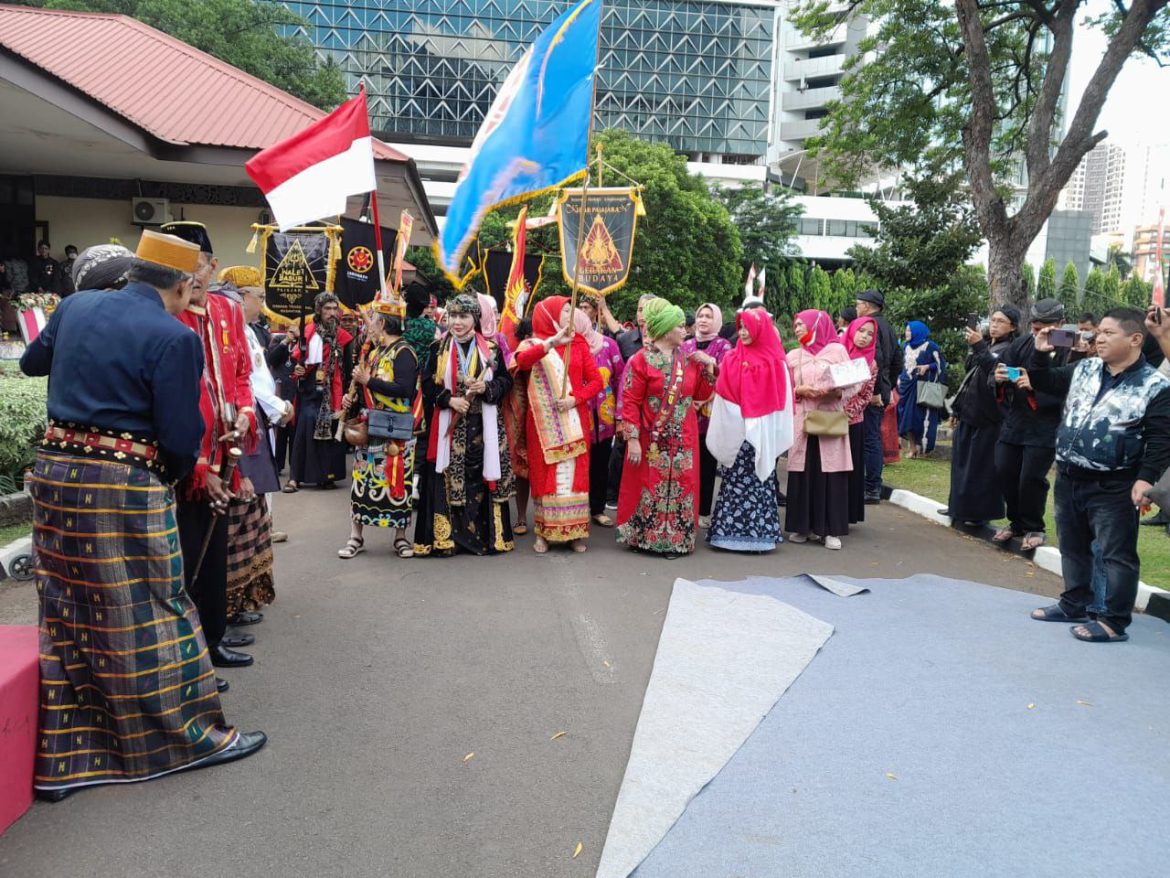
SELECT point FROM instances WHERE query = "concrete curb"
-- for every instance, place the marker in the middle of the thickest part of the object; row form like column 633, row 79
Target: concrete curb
column 1046, row 557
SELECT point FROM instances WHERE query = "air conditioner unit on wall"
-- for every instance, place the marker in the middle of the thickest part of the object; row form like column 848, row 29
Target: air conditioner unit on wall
column 149, row 211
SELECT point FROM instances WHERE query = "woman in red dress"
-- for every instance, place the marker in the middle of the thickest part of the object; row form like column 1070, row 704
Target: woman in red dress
column 658, row 508
column 559, row 424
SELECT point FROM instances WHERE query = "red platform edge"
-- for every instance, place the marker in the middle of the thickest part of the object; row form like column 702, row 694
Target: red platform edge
column 19, row 703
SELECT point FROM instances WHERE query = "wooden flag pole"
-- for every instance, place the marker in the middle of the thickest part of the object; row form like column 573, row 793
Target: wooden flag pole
column 584, row 204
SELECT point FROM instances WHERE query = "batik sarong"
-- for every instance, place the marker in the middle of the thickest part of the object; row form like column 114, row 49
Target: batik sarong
column 250, row 584
column 563, row 516
column 127, row 687
column 379, row 495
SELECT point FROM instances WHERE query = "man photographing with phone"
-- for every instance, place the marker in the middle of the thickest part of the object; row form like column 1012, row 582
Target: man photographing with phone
column 1112, row 446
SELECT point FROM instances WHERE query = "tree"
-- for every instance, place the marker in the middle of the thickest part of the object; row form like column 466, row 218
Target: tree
column 260, row 37
column 1136, row 292
column 820, row 289
column 945, row 310
column 1070, row 286
column 980, row 82
column 1095, row 298
column 766, row 222
column 797, row 301
column 1046, row 284
column 921, row 245
column 1113, row 283
column 1029, row 277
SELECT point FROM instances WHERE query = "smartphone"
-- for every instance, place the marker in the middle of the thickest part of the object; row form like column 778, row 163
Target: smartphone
column 1065, row 337
column 973, row 321
column 1013, row 373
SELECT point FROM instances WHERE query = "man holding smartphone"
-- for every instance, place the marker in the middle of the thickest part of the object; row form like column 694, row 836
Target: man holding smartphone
column 1112, row 446
column 1027, row 439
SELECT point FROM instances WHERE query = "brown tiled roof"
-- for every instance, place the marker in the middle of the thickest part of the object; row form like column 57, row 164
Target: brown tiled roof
column 137, row 72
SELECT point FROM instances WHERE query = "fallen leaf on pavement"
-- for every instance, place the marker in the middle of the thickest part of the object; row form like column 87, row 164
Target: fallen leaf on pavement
column 1031, row 706
column 469, row 756
column 558, row 735
column 891, row 775
column 1083, row 703
column 605, row 663
column 577, row 853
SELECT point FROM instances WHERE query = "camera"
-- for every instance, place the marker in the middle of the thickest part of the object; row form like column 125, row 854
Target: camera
column 1065, row 337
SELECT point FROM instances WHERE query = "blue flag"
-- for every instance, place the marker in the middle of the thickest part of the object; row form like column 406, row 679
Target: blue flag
column 536, row 134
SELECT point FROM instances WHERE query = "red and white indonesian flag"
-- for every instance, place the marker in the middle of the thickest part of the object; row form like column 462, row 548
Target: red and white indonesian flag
column 310, row 175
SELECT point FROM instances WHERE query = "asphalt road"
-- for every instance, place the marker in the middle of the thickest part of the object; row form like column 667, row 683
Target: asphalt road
column 375, row 679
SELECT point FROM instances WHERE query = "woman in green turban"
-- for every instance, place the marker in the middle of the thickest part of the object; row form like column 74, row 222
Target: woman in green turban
column 658, row 508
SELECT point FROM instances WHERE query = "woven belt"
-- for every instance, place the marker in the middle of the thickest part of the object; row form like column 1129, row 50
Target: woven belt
column 106, row 444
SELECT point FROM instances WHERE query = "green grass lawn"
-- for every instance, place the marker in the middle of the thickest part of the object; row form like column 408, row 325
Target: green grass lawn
column 932, row 478
column 10, row 532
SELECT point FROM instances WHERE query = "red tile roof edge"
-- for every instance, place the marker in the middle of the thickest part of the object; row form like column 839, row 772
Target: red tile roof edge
column 382, row 152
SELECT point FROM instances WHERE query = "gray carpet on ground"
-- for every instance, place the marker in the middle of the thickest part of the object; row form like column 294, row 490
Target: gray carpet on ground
column 942, row 732
column 723, row 659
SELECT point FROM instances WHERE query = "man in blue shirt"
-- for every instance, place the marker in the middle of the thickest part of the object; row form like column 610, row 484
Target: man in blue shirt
column 128, row 691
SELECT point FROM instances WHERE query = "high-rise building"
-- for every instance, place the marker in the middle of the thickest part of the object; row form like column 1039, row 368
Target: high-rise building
column 694, row 75
column 1147, row 185
column 1098, row 185
column 806, row 77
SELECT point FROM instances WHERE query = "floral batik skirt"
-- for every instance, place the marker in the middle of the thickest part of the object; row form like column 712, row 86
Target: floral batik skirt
column 747, row 511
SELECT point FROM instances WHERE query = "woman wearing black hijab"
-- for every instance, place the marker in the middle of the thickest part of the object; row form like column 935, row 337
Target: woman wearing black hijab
column 975, row 494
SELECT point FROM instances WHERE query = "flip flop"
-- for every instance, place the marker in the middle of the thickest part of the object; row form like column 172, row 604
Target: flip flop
column 403, row 548
column 290, row 488
column 1056, row 613
column 519, row 530
column 1004, row 535
column 1033, row 540
column 1098, row 633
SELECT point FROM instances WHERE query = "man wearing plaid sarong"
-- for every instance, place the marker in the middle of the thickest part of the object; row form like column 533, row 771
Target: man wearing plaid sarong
column 128, row 691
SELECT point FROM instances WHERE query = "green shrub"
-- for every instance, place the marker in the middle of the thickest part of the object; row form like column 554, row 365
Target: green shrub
column 22, row 425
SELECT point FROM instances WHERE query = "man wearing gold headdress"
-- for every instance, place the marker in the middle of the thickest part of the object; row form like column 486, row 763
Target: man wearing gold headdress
column 128, row 691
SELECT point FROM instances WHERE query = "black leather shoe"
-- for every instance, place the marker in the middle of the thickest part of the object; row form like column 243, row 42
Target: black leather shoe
column 221, row 685
column 55, row 795
column 222, row 657
column 873, row 499
column 234, row 639
column 241, row 619
column 246, row 744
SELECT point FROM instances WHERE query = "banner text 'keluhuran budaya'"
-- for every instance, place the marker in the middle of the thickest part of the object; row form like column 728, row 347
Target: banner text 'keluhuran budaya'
column 607, row 237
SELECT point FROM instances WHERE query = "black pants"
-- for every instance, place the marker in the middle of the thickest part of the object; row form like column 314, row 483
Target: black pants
column 708, row 469
column 209, row 592
column 1098, row 515
column 284, row 436
column 1023, row 476
column 617, row 459
column 599, row 475
column 874, row 461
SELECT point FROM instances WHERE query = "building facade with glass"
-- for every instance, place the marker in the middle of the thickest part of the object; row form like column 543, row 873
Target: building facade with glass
column 694, row 75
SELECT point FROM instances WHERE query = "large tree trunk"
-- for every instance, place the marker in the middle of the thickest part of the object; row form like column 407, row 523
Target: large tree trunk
column 1009, row 237
column 1005, row 264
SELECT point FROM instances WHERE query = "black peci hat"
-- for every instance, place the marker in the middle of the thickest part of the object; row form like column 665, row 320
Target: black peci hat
column 195, row 233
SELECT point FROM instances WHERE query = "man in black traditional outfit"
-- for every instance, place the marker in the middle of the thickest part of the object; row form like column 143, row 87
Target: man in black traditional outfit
column 322, row 361
column 127, row 688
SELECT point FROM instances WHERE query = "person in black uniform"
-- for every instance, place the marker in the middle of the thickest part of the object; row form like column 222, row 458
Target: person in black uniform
column 128, row 691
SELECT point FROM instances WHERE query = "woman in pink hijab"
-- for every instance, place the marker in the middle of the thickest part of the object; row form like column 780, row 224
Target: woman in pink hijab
column 489, row 325
column 751, row 426
column 820, row 460
column 708, row 322
column 607, row 356
column 860, row 340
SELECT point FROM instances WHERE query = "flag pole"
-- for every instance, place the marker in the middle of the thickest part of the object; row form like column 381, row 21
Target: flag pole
column 584, row 204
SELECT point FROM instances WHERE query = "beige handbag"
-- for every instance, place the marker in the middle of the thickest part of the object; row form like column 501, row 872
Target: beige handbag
column 822, row 423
